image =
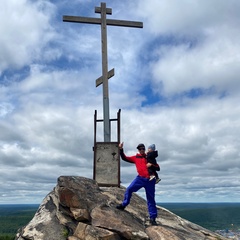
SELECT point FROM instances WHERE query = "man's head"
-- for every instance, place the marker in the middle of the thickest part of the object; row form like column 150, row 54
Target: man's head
column 141, row 148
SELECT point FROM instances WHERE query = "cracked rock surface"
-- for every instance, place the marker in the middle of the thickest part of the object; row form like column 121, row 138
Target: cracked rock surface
column 78, row 209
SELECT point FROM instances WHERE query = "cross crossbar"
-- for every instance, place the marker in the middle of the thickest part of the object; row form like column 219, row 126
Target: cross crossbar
column 110, row 22
column 99, row 10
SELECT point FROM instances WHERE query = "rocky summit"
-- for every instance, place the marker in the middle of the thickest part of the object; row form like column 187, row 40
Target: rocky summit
column 78, row 209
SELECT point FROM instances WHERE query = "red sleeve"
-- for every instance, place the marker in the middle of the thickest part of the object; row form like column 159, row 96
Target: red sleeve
column 127, row 159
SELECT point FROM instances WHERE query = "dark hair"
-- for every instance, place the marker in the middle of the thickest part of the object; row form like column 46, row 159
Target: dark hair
column 140, row 145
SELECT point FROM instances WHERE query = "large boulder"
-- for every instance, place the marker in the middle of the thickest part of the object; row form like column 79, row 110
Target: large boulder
column 78, row 209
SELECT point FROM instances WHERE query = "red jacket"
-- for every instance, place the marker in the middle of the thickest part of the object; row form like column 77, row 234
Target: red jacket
column 140, row 163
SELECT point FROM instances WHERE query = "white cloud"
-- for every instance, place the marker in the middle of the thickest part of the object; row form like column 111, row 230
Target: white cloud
column 25, row 32
column 212, row 65
column 200, row 47
column 187, row 17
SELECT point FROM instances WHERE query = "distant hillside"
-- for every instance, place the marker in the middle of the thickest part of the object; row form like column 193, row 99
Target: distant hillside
column 213, row 216
column 13, row 216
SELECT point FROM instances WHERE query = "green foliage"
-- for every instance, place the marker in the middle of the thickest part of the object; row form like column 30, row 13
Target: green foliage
column 65, row 232
column 7, row 237
column 13, row 217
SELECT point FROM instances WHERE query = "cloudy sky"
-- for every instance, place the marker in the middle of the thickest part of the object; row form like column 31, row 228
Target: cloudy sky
column 176, row 82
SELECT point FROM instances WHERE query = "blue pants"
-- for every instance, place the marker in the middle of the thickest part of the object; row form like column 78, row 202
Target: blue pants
column 149, row 186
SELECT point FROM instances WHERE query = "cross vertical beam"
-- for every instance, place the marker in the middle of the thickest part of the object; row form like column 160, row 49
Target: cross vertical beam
column 106, row 121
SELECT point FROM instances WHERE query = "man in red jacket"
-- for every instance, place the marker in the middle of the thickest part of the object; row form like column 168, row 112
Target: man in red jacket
column 142, row 180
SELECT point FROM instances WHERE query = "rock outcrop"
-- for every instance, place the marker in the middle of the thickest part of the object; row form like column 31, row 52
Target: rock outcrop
column 78, row 209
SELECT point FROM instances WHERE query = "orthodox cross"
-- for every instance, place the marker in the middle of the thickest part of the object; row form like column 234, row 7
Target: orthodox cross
column 103, row 21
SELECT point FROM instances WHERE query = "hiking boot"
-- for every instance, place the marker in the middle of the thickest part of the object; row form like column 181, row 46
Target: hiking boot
column 153, row 222
column 120, row 207
column 158, row 180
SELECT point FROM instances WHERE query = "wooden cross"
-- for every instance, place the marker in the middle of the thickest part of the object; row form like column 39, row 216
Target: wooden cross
column 103, row 21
